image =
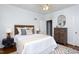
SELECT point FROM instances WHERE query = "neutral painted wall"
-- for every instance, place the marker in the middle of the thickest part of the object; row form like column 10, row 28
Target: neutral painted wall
column 72, row 22
column 10, row 15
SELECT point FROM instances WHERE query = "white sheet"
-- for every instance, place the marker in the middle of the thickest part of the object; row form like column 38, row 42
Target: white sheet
column 35, row 44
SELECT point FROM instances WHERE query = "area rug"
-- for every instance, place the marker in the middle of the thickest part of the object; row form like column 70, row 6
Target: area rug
column 64, row 50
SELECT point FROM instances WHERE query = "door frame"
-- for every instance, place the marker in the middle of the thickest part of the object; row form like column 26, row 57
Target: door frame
column 50, row 27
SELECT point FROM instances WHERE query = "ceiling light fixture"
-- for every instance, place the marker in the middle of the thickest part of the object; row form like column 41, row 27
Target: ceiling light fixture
column 45, row 7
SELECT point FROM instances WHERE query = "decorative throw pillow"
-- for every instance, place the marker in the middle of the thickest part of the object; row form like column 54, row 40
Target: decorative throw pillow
column 23, row 31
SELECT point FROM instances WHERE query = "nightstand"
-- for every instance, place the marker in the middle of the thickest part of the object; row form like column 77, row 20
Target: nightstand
column 8, row 42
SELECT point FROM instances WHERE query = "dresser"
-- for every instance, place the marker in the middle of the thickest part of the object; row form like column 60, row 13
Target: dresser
column 60, row 35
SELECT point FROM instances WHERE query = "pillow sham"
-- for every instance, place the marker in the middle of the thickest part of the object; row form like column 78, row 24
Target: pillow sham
column 29, row 32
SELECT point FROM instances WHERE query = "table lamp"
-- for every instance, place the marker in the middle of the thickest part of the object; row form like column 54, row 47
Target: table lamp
column 37, row 30
column 8, row 32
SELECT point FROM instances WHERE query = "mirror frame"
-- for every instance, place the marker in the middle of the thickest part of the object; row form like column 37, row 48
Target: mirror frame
column 61, row 20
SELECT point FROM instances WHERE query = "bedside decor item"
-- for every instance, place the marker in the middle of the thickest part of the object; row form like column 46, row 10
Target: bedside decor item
column 37, row 30
column 61, row 20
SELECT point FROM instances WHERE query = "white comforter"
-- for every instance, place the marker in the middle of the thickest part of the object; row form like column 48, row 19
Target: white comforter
column 34, row 44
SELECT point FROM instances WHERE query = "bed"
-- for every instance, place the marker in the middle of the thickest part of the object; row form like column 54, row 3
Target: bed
column 33, row 43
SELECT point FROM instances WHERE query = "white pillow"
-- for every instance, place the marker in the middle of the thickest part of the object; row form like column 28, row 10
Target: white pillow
column 19, row 30
column 29, row 32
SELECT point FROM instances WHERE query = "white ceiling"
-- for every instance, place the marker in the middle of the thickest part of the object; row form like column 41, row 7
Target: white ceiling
column 37, row 7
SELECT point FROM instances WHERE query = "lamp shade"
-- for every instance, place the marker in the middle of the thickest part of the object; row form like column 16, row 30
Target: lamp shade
column 37, row 29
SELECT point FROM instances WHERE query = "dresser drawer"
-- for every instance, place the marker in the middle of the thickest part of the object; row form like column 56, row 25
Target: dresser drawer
column 60, row 35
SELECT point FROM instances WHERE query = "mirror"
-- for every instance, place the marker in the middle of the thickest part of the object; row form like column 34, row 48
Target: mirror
column 61, row 20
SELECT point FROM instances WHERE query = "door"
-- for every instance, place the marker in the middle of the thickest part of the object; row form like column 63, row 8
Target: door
column 49, row 27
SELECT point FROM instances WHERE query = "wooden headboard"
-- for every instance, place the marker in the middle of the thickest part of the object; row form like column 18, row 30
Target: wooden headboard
column 22, row 26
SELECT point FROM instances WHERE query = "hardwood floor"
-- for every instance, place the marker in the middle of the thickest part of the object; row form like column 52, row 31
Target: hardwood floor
column 7, row 50
column 71, row 46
